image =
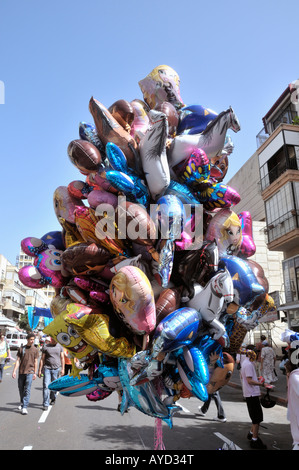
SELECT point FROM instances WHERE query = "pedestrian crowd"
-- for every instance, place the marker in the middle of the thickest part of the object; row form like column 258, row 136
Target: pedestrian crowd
column 257, row 370
column 255, row 363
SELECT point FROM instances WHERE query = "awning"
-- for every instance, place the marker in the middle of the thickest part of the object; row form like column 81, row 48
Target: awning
column 288, row 307
column 4, row 321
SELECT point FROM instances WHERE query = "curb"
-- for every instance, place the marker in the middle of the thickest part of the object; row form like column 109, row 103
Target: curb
column 279, row 400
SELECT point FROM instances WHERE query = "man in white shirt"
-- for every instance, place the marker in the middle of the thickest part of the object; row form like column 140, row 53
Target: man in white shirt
column 251, row 392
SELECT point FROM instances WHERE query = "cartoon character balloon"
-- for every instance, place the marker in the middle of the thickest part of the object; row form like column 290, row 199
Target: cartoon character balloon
column 133, row 300
column 47, row 268
column 162, row 84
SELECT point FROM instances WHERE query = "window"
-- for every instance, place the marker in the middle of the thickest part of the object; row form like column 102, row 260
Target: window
column 281, row 213
column 290, row 279
column 280, row 204
column 293, row 153
column 286, row 116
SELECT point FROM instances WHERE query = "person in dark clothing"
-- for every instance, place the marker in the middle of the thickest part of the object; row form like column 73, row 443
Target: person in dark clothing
column 52, row 365
column 27, row 357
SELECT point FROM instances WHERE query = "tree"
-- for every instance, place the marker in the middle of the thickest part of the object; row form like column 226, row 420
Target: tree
column 23, row 322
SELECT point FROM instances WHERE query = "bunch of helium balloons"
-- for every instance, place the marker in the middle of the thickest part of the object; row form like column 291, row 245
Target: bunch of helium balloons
column 151, row 266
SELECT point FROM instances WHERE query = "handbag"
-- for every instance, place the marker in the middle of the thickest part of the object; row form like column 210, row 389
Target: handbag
column 267, row 401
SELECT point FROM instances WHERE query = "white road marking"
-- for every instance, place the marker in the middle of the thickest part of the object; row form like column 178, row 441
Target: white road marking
column 185, row 410
column 44, row 415
column 28, row 448
column 227, row 441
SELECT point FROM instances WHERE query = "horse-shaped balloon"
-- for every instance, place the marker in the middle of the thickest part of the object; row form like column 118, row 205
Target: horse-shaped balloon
column 211, row 140
column 152, row 149
column 211, row 299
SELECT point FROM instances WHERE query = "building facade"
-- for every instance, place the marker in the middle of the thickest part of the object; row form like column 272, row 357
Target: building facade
column 278, row 157
column 15, row 298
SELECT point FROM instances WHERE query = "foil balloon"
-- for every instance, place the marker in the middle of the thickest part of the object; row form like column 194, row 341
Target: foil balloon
column 85, row 259
column 88, row 132
column 47, row 268
column 182, row 192
column 219, row 168
column 211, row 299
column 233, row 233
column 123, row 112
column 171, row 216
column 132, row 297
column 109, row 130
column 94, row 327
column 79, row 189
column 144, row 397
column 141, row 121
column 211, row 140
column 94, row 228
column 162, row 84
column 134, row 223
column 98, row 394
column 194, row 170
column 107, row 375
column 178, row 329
column 196, row 266
column 152, row 149
column 123, row 178
column 168, row 301
column 246, row 285
column 54, row 240
column 217, row 196
column 74, row 293
column 65, row 204
column 194, row 119
column 96, row 288
column 194, row 371
column 248, row 247
column 172, row 116
column 68, row 337
column 85, row 156
column 98, row 197
column 99, row 179
column 73, row 386
column 118, row 262
column 226, row 229
column 221, row 375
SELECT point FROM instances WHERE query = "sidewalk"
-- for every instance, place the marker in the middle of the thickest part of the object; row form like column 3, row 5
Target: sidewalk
column 279, row 392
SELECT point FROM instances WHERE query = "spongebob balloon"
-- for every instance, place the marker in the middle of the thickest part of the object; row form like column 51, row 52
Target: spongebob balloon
column 68, row 337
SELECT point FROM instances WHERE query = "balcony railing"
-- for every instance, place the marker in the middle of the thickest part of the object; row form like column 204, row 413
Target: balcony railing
column 261, row 137
column 284, row 224
column 277, row 171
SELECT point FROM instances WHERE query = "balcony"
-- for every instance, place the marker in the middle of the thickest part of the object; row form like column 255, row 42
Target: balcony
column 283, row 233
column 277, row 171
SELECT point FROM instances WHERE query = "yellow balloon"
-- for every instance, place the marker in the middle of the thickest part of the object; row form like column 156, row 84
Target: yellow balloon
column 93, row 327
column 68, row 337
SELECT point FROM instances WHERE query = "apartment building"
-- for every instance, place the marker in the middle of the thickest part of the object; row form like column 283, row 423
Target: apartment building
column 247, row 182
column 15, row 298
column 278, row 156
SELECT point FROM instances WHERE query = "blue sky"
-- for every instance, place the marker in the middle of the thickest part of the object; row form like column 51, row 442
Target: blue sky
column 55, row 55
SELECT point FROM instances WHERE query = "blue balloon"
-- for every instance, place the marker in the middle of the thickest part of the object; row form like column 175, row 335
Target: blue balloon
column 244, row 280
column 73, row 386
column 88, row 132
column 144, row 397
column 179, row 328
column 193, row 370
column 123, row 178
column 194, row 119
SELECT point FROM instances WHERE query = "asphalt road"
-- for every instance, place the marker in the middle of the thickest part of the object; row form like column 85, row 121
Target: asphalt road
column 74, row 423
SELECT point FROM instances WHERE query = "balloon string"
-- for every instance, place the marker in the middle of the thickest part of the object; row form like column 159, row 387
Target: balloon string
column 158, row 433
column 159, row 445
